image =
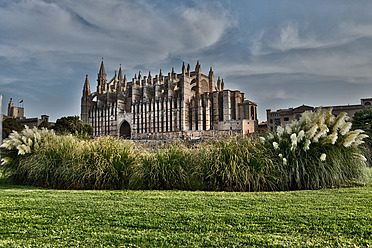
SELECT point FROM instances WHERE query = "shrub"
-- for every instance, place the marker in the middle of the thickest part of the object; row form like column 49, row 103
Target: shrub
column 71, row 163
column 318, row 151
column 363, row 120
column 108, row 163
column 169, row 167
column 72, row 125
column 237, row 165
column 52, row 165
column 20, row 144
column 9, row 125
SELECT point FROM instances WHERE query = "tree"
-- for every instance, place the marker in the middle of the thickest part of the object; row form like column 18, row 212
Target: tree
column 72, row 124
column 44, row 124
column 9, row 125
column 363, row 120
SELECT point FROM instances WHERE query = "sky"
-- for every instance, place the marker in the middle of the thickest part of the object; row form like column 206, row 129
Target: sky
column 281, row 53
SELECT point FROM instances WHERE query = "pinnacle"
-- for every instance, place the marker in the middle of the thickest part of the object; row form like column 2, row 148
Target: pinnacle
column 102, row 69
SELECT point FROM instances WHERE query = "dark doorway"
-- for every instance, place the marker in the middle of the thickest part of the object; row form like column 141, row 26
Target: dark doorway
column 125, row 130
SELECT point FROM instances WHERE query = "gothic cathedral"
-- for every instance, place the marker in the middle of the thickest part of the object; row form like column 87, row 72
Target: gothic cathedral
column 184, row 105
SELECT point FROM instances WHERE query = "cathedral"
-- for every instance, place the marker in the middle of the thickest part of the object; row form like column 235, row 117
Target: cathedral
column 178, row 105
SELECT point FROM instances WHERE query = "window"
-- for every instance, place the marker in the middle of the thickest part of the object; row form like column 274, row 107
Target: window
column 298, row 116
column 220, row 112
column 277, row 121
column 286, row 119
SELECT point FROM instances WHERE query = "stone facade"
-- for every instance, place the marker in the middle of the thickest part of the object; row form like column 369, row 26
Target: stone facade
column 282, row 117
column 18, row 114
column 15, row 112
column 187, row 104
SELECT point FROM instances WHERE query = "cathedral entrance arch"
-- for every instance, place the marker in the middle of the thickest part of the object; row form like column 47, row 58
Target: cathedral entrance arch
column 125, row 130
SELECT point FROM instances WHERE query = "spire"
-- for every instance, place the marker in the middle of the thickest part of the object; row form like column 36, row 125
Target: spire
column 211, row 80
column 102, row 69
column 188, row 70
column 183, row 68
column 134, row 80
column 139, row 78
column 197, row 67
column 172, row 76
column 120, row 77
column 101, row 79
column 218, row 84
column 222, row 85
column 150, row 80
column 160, row 73
column 125, row 81
column 86, row 89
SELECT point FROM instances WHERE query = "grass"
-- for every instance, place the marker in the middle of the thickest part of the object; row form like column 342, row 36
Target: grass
column 35, row 217
column 319, row 151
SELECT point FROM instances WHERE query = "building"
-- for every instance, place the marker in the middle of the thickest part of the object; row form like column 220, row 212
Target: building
column 262, row 127
column 15, row 112
column 282, row 117
column 18, row 114
column 187, row 104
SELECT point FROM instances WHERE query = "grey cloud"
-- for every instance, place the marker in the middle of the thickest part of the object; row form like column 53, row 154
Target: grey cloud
column 317, row 54
column 7, row 80
column 136, row 28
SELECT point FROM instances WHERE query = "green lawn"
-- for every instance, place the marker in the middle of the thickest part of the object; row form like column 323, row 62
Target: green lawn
column 34, row 217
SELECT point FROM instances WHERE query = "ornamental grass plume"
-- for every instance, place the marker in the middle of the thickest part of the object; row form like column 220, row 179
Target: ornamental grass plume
column 22, row 143
column 318, row 151
column 275, row 145
column 351, row 137
column 323, row 157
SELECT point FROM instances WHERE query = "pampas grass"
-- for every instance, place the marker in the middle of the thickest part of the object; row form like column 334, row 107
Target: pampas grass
column 318, row 151
column 315, row 152
column 168, row 167
column 237, row 164
column 70, row 163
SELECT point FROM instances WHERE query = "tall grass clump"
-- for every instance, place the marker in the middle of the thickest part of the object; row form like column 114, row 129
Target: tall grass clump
column 52, row 165
column 317, row 151
column 20, row 145
column 168, row 167
column 70, row 163
column 237, row 164
column 108, row 163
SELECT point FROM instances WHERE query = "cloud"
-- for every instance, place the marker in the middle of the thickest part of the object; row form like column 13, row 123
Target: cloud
column 7, row 80
column 295, row 36
column 354, row 30
column 138, row 30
